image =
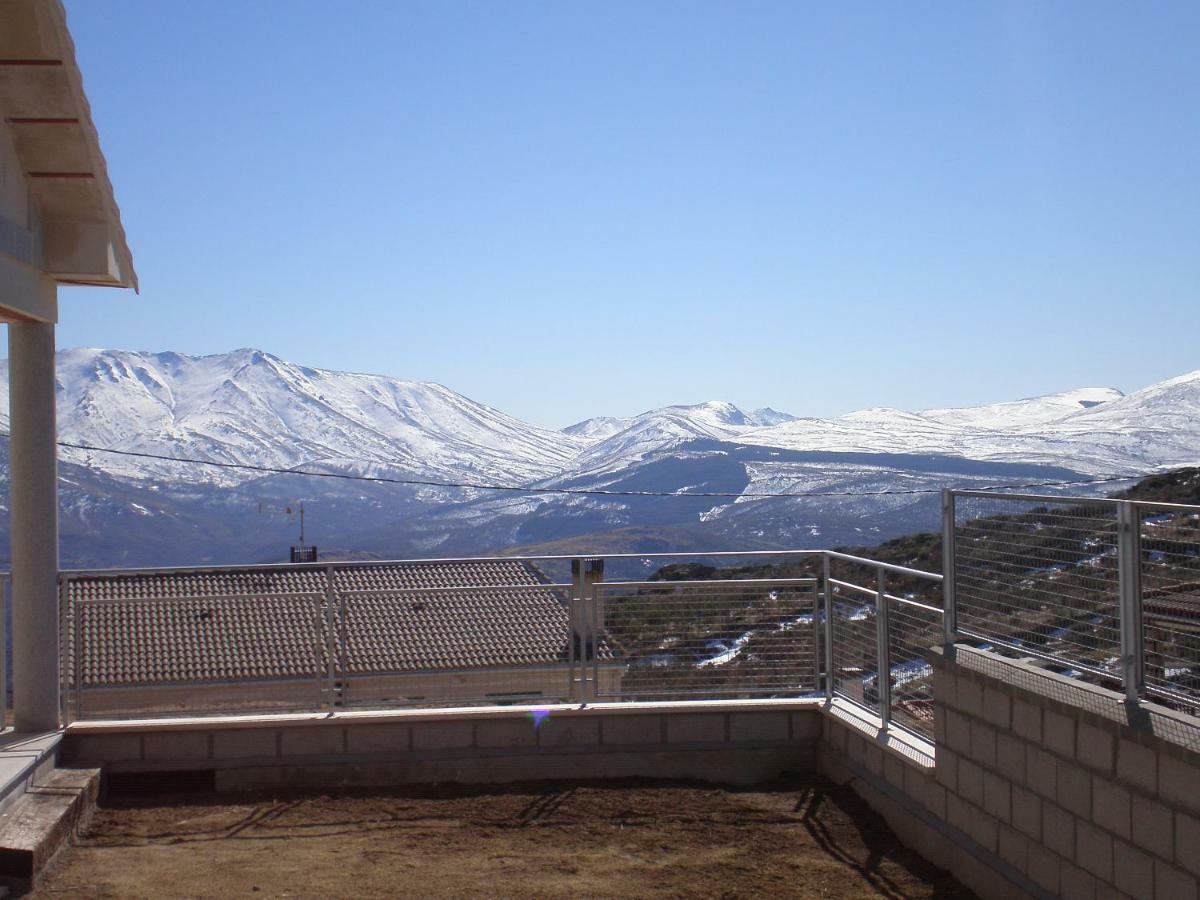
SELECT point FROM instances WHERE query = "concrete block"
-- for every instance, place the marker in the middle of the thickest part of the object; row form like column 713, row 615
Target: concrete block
column 764, row 726
column 387, row 738
column 935, row 800
column 503, row 733
column 969, row 696
column 1179, row 782
column 631, row 729
column 572, row 731
column 106, row 748
column 1153, row 825
column 1111, row 806
column 691, row 727
column 983, row 744
column 997, row 708
column 1058, row 733
column 165, row 746
column 806, row 726
column 946, row 768
column 1172, row 884
column 958, row 732
column 1027, row 812
column 997, row 796
column 835, row 733
column 970, row 782
column 958, row 812
column 1076, row 884
column 451, row 735
column 1027, row 720
column 1187, row 842
column 1058, row 830
column 984, row 830
column 244, row 743
column 944, row 693
column 1137, row 766
column 1010, row 757
column 893, row 770
column 1133, row 870
column 875, row 759
column 1043, row 868
column 856, row 748
column 1041, row 772
column 1095, row 747
column 1094, row 850
column 1074, row 789
column 315, row 741
column 1013, row 848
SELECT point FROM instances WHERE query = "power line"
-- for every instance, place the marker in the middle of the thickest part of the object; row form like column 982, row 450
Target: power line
column 602, row 492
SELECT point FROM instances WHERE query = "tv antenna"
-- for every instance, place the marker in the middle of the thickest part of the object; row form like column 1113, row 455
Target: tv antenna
column 303, row 552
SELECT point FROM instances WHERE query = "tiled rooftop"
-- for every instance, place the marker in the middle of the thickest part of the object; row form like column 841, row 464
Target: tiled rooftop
column 270, row 623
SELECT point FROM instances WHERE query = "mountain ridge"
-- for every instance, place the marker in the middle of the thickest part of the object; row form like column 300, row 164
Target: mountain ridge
column 250, row 407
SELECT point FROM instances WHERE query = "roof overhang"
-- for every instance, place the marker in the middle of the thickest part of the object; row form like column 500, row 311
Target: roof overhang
column 50, row 124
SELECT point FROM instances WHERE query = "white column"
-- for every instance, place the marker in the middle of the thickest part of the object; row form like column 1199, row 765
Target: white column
column 34, row 526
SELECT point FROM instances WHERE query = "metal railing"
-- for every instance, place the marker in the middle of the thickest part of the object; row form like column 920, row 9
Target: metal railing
column 686, row 626
column 881, row 618
column 5, row 641
column 1103, row 589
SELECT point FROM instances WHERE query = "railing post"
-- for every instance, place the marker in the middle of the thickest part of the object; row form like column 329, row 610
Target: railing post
column 64, row 638
column 884, row 677
column 828, row 630
column 330, row 639
column 584, row 621
column 1129, row 578
column 4, row 592
column 949, row 603
column 77, row 627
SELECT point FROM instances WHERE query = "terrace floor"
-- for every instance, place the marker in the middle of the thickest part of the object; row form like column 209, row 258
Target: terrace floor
column 798, row 838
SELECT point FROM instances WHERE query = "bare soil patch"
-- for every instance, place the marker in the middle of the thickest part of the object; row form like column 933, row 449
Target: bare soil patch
column 797, row 838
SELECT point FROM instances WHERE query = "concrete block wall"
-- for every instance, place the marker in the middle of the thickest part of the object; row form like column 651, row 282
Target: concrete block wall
column 733, row 744
column 1039, row 786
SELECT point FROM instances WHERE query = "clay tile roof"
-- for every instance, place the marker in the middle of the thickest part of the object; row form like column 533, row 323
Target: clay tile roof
column 190, row 626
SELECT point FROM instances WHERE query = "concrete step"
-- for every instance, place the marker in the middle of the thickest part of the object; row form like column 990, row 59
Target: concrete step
column 38, row 823
column 24, row 760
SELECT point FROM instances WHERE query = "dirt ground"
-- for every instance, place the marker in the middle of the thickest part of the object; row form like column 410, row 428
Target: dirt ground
column 600, row 839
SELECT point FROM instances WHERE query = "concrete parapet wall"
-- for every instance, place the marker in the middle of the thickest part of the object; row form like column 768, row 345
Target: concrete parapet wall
column 733, row 743
column 1042, row 786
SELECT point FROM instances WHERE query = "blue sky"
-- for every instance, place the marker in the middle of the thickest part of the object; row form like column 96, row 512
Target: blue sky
column 572, row 209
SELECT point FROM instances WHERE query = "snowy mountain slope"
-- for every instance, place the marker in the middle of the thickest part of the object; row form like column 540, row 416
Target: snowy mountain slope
column 1157, row 426
column 251, row 407
column 1154, row 427
column 619, row 442
column 1024, row 413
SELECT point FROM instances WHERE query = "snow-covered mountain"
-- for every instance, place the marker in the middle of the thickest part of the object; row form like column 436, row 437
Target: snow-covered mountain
column 250, row 407
column 715, row 418
column 253, row 408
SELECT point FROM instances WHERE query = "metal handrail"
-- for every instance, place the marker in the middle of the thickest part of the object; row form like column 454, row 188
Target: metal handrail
column 422, row 561
column 1129, row 600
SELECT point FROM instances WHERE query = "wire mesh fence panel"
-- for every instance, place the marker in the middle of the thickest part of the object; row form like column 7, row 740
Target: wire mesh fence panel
column 912, row 629
column 719, row 639
column 447, row 646
column 855, row 643
column 1040, row 576
column 170, row 656
column 1170, row 591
